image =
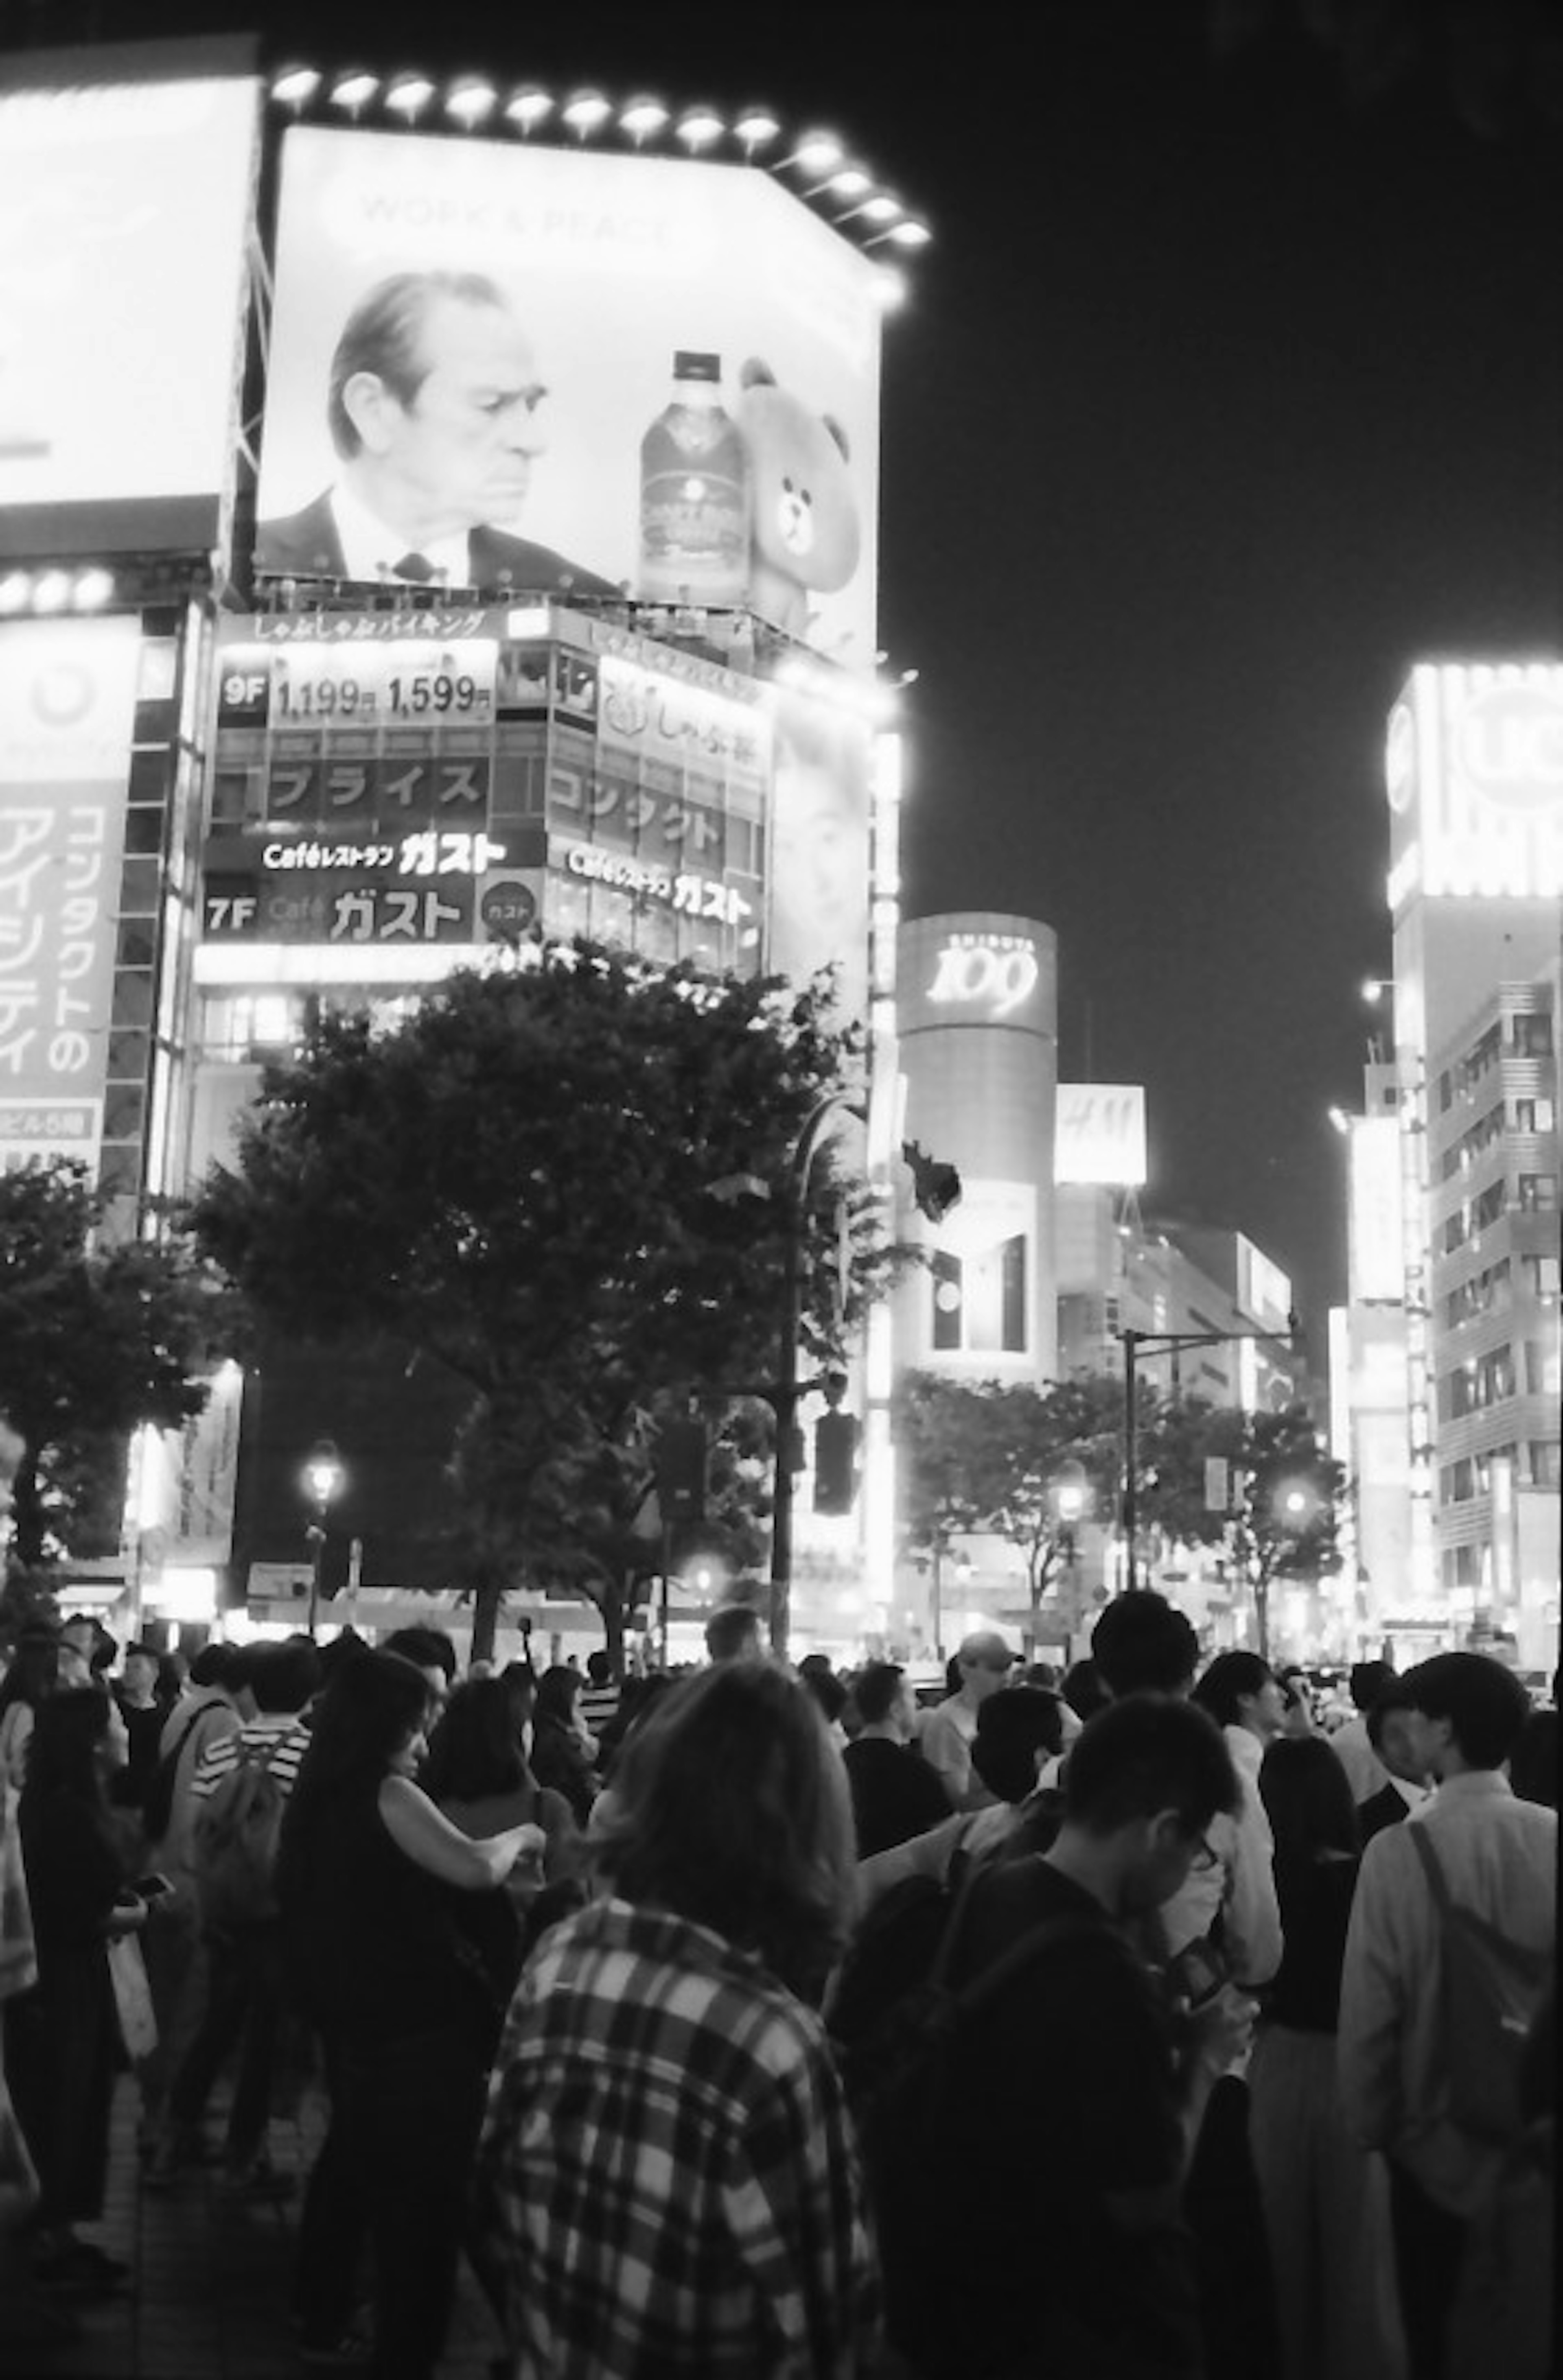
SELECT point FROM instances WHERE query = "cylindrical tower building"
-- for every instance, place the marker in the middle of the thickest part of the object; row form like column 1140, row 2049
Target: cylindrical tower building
column 978, row 1019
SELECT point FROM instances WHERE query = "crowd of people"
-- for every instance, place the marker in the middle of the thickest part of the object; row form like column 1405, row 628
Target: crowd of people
column 759, row 2020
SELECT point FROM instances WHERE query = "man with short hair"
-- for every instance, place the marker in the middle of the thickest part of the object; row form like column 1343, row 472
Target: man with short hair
column 136, row 1695
column 1395, row 1737
column 1142, row 1643
column 1367, row 1683
column 247, row 2002
column 733, row 1633
column 430, row 1650
column 985, row 1663
column 1074, row 2097
column 1499, row 1858
column 1225, row 1909
column 895, row 1794
column 436, row 411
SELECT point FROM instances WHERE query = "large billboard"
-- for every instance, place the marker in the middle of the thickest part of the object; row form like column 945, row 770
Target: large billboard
column 551, row 371
column 385, row 782
column 68, row 702
column 1100, row 1135
column 1473, row 771
column 123, row 208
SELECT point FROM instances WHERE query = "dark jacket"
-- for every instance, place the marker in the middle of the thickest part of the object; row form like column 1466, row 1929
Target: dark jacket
column 305, row 545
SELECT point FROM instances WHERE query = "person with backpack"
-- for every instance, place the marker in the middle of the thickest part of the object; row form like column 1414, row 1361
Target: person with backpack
column 239, row 1793
column 218, row 1704
column 1026, row 2164
column 1448, row 1959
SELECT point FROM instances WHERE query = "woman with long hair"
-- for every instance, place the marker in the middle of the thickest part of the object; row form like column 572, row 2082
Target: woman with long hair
column 62, row 2037
column 667, row 2179
column 30, row 1679
column 369, row 1878
column 1325, row 2199
column 477, row 1774
column 559, row 1757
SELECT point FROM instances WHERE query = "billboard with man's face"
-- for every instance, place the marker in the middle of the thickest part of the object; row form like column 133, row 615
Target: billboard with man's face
column 543, row 371
column 122, row 214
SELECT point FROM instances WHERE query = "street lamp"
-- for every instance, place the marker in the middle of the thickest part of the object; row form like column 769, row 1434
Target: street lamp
column 322, row 1477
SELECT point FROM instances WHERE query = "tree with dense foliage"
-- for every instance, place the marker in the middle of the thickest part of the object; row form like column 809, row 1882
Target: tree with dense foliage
column 573, row 1183
column 1286, row 1492
column 1028, row 1462
column 94, row 1340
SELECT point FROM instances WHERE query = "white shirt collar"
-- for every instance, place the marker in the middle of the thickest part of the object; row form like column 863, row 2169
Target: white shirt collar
column 370, row 548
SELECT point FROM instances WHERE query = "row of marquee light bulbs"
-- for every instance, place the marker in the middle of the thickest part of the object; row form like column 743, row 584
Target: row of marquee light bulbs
column 470, row 101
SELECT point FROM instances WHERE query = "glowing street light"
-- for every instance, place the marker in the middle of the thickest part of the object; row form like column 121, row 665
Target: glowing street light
column 409, row 95
column 698, row 127
column 879, row 207
column 296, row 86
column 755, row 129
column 908, row 232
column 641, row 118
column 818, row 152
column 586, row 112
column 470, row 101
column 528, row 107
column 847, row 182
column 324, row 1476
column 353, row 90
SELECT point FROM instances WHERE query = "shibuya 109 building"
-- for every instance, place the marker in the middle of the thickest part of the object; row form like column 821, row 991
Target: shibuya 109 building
column 311, row 693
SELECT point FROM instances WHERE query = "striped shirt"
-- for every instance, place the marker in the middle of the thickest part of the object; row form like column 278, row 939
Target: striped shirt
column 668, row 2175
column 595, row 1706
column 279, row 1736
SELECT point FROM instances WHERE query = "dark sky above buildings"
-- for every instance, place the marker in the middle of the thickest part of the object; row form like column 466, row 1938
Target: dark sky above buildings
column 1232, row 384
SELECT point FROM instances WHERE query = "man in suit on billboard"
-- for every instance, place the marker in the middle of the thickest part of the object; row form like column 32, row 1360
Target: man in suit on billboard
column 433, row 408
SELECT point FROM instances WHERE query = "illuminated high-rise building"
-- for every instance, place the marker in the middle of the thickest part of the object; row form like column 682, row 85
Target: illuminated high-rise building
column 1475, row 789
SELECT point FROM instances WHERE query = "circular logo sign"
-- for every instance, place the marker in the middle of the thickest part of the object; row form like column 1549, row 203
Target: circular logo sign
column 509, row 910
column 1510, row 746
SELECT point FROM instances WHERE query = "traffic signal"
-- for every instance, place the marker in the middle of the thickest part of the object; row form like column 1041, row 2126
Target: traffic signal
column 935, row 1186
column 678, row 1464
column 836, row 1462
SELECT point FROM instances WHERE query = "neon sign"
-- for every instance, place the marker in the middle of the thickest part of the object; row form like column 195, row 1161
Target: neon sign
column 426, row 852
column 994, row 971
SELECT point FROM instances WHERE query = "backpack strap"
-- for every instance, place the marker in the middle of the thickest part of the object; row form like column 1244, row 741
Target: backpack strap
column 1438, row 1882
column 172, row 1754
column 959, row 1876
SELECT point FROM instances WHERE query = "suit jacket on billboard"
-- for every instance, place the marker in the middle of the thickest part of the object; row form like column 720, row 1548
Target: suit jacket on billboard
column 306, row 545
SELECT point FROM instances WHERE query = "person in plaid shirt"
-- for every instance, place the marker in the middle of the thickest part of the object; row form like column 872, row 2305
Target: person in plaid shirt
column 667, row 2181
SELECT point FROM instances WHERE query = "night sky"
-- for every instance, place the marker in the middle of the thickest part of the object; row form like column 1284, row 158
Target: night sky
column 1227, row 390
